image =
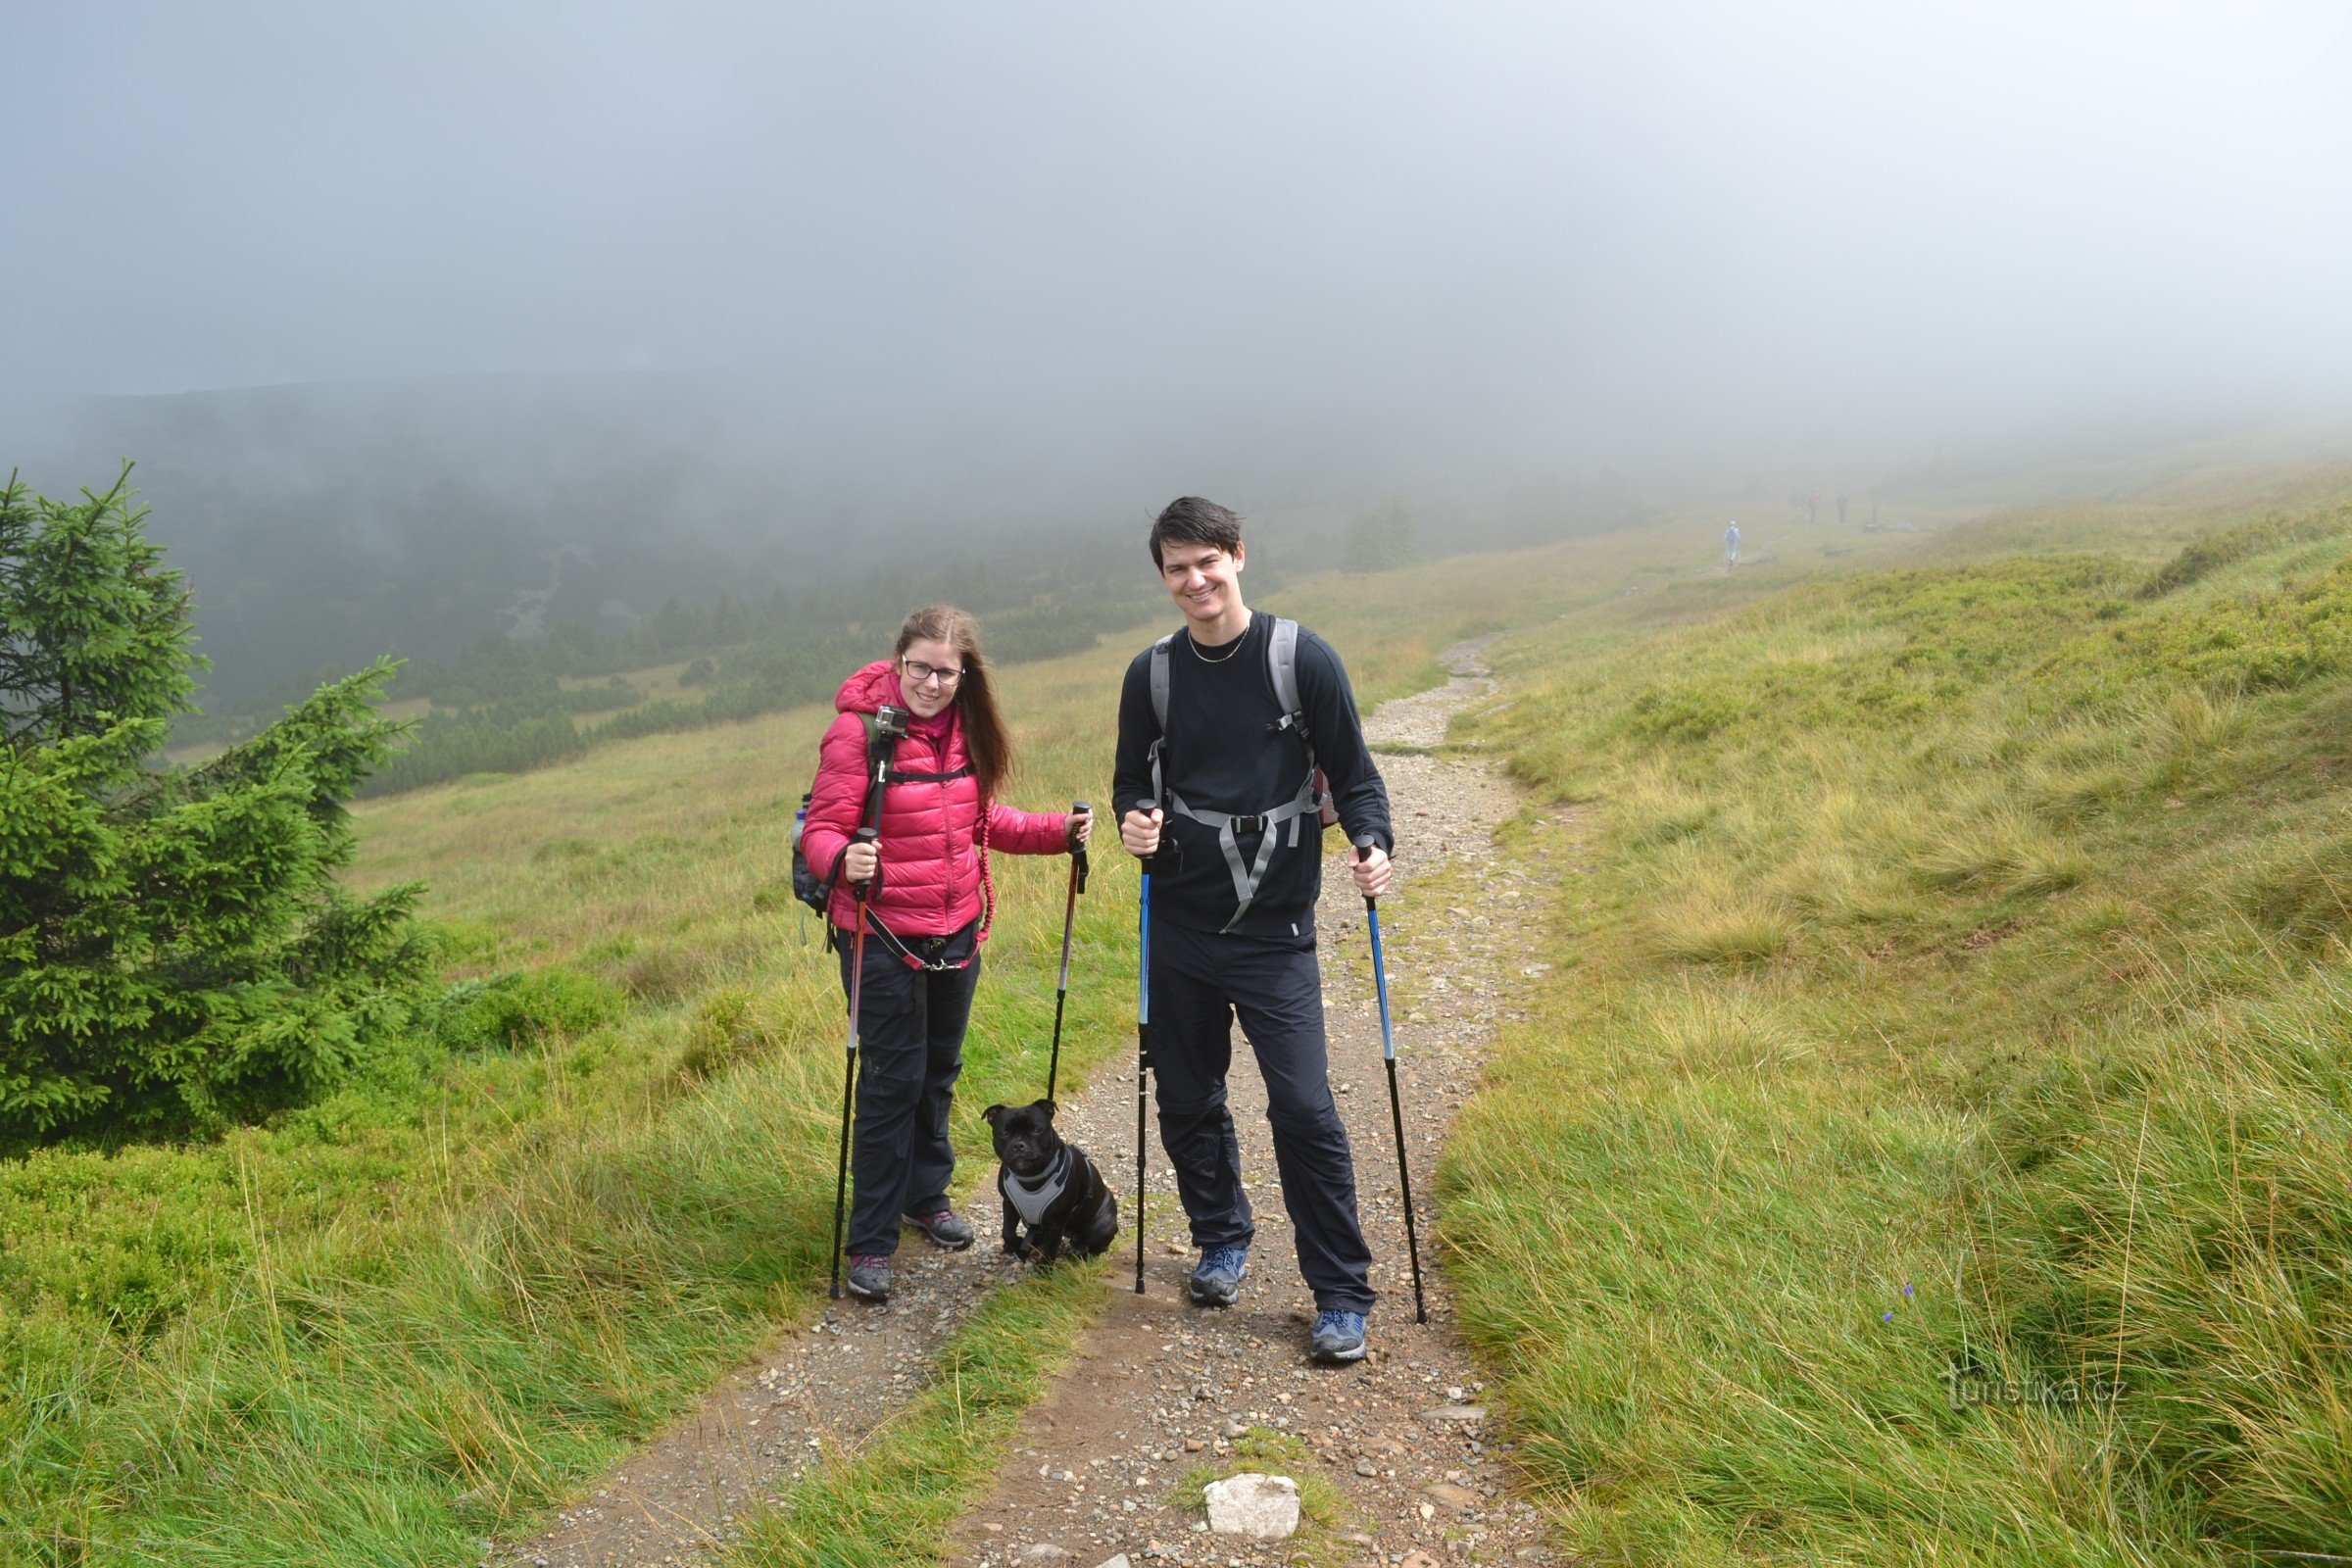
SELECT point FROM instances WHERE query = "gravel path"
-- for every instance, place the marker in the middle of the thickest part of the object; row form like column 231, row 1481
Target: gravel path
column 1159, row 1386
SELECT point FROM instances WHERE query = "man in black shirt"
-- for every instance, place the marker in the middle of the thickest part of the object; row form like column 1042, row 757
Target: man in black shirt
column 1222, row 729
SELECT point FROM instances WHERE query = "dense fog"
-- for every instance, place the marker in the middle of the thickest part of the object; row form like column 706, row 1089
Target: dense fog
column 735, row 294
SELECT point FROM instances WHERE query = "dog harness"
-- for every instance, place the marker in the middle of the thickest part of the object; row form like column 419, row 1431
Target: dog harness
column 1282, row 668
column 1031, row 1200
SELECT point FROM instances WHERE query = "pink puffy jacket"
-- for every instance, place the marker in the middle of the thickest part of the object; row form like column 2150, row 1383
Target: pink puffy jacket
column 930, row 841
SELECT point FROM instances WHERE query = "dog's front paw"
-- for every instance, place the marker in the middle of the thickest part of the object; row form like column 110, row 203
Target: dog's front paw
column 1014, row 1246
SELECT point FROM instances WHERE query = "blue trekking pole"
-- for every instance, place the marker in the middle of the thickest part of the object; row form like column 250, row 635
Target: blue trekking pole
column 1143, row 1056
column 1387, row 1055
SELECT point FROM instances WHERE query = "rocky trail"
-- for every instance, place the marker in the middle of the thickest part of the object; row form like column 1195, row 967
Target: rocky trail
column 1159, row 1387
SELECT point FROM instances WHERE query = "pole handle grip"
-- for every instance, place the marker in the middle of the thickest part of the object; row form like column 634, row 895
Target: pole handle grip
column 866, row 834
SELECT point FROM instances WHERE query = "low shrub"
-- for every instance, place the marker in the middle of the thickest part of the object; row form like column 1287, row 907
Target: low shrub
column 518, row 1007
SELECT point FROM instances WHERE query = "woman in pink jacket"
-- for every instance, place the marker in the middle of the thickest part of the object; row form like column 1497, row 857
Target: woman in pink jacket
column 926, row 911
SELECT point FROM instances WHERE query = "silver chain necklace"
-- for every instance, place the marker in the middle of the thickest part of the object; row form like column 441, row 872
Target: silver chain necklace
column 1221, row 657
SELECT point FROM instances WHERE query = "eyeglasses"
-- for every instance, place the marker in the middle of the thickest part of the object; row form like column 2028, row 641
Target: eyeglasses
column 919, row 672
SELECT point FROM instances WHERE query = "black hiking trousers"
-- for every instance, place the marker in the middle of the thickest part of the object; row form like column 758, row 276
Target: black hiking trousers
column 1200, row 981
column 910, row 1026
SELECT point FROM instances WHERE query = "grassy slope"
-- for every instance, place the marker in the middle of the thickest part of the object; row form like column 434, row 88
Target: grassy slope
column 383, row 1328
column 1959, row 987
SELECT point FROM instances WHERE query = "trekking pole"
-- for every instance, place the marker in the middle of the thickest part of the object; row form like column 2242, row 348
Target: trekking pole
column 1143, row 1056
column 849, row 1070
column 1069, row 917
column 1387, row 1055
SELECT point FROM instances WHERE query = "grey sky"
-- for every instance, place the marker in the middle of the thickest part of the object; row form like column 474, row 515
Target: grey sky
column 1653, row 225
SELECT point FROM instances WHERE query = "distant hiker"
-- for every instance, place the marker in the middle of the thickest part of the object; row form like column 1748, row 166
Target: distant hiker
column 1224, row 730
column 1731, row 547
column 927, row 909
column 1841, row 511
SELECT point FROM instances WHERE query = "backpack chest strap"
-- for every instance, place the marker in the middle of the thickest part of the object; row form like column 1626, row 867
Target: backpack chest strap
column 900, row 775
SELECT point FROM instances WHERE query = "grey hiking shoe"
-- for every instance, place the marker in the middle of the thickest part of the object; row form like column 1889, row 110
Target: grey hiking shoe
column 869, row 1276
column 946, row 1228
column 1217, row 1278
column 1338, row 1338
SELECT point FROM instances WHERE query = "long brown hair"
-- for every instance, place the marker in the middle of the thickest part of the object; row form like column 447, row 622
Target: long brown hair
column 985, row 739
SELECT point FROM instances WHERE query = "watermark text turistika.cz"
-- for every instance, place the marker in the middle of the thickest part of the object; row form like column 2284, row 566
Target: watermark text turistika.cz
column 1968, row 1389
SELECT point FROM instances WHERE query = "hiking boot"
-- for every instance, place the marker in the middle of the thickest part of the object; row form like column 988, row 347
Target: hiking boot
column 869, row 1276
column 1338, row 1338
column 946, row 1228
column 1217, row 1278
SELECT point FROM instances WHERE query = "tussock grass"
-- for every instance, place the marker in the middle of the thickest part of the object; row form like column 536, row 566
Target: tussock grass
column 2000, row 849
column 1718, row 926
column 2190, row 733
column 1706, row 1032
column 1931, row 1143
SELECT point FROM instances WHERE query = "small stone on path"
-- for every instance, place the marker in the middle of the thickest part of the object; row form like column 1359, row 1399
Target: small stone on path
column 1262, row 1507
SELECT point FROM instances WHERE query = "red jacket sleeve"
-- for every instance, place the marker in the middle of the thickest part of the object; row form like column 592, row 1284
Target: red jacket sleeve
column 1020, row 832
column 836, row 799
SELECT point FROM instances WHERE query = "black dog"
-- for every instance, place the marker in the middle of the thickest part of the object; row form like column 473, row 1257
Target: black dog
column 1048, row 1186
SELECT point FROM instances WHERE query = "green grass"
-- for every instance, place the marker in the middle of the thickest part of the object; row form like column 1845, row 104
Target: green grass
column 1958, row 1003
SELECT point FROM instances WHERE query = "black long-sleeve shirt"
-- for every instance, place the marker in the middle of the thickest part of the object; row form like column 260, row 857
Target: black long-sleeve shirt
column 1223, row 754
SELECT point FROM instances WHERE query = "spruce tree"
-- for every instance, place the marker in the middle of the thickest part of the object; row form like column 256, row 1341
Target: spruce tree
column 176, row 951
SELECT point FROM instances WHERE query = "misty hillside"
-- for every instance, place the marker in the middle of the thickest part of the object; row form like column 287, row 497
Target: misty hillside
column 325, row 525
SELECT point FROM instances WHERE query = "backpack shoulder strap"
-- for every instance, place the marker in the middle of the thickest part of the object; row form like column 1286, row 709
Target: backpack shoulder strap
column 1159, row 680
column 1282, row 664
column 1158, row 753
column 877, row 763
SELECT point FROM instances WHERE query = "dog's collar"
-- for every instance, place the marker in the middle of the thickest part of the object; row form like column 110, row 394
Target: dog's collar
column 1031, row 1200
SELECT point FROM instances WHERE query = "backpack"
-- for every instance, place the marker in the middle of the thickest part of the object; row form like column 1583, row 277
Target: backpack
column 1315, row 795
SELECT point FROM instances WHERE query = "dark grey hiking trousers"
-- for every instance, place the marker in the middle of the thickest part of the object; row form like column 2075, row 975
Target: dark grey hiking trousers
column 1200, row 982
column 910, row 1026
